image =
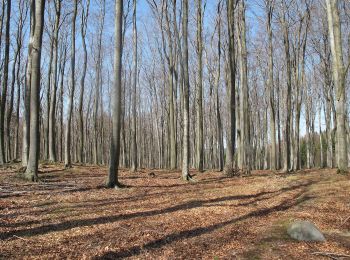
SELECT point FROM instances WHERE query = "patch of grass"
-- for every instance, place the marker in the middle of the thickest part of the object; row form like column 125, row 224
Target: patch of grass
column 276, row 233
column 254, row 254
column 64, row 209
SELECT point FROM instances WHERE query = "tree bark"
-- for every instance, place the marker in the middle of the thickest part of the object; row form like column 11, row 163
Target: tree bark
column 217, row 84
column 38, row 7
column 244, row 99
column 116, row 99
column 186, row 89
column 273, row 165
column 231, row 142
column 5, row 83
column 287, row 147
column 68, row 137
column 84, row 19
column 199, row 90
column 339, row 76
column 134, row 83
column 52, row 111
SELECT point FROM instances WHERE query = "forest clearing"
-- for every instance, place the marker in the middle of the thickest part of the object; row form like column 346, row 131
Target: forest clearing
column 70, row 214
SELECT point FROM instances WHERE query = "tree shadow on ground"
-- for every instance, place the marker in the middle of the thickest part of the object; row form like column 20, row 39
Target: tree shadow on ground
column 48, row 228
column 168, row 239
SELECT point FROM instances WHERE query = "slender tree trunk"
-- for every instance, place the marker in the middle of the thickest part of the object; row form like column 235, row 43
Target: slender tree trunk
column 48, row 93
column 199, row 90
column 63, row 66
column 231, row 90
column 27, row 91
column 116, row 99
column 10, row 105
column 287, row 147
column 38, row 7
column 186, row 89
column 244, row 99
column 271, row 88
column 23, row 9
column 84, row 19
column 339, row 76
column 328, row 132
column 134, row 83
column 171, row 102
column 68, row 137
column 16, row 152
column 5, row 83
column 98, row 94
column 279, row 161
column 52, row 110
column 320, row 132
column 217, row 84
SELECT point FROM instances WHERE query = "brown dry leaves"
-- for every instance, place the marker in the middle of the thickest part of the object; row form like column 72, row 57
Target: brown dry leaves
column 69, row 214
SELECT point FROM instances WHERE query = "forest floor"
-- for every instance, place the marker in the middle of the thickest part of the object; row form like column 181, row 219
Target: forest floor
column 69, row 214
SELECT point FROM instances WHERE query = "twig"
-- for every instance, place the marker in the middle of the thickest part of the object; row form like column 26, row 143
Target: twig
column 331, row 255
column 20, row 237
column 343, row 222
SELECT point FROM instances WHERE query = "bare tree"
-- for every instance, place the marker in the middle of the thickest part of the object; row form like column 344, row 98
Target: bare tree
column 244, row 162
column 231, row 132
column 186, row 88
column 116, row 99
column 5, row 83
column 199, row 89
column 52, row 109
column 218, row 115
column 285, row 29
column 37, row 10
column 83, row 28
column 269, row 10
column 68, row 137
column 339, row 76
column 134, row 83
column 23, row 11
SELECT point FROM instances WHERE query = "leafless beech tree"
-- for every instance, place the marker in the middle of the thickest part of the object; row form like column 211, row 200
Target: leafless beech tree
column 37, row 18
column 5, row 83
column 68, row 137
column 339, row 76
column 116, row 99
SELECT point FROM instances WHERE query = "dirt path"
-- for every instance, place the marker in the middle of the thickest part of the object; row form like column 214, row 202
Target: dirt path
column 70, row 214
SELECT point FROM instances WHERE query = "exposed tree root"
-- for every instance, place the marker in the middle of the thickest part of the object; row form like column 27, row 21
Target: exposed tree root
column 342, row 172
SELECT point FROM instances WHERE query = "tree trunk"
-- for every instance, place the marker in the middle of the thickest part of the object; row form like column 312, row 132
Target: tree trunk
column 48, row 93
column 52, row 111
column 62, row 72
column 320, row 132
column 37, row 7
column 134, row 83
column 186, row 89
column 84, row 19
column 116, row 99
column 271, row 88
column 68, row 137
column 5, row 83
column 10, row 107
column 199, row 90
column 231, row 90
column 287, row 147
column 244, row 99
column 217, row 84
column 339, row 76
